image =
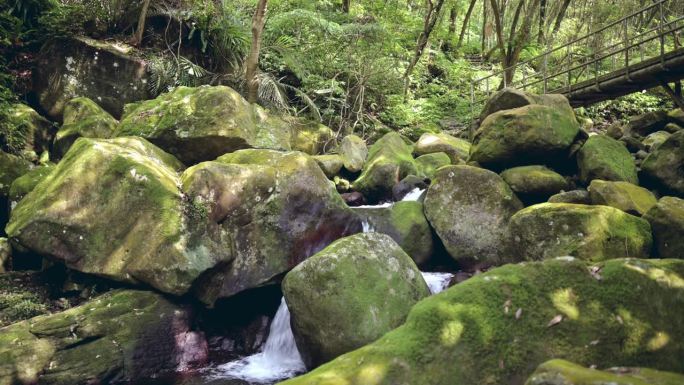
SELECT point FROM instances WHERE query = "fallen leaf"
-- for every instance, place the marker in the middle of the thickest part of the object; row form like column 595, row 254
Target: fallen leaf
column 595, row 272
column 507, row 306
column 619, row 319
column 518, row 313
column 555, row 321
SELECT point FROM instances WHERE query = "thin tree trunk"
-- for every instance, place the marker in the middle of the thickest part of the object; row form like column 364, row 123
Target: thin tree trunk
column 345, row 6
column 560, row 16
column 137, row 38
column 542, row 22
column 452, row 22
column 252, row 62
column 431, row 17
column 464, row 27
column 484, row 27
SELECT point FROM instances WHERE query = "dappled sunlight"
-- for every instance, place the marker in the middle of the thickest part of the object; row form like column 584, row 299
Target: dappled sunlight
column 657, row 342
column 451, row 333
column 659, row 275
column 636, row 331
column 565, row 301
column 371, row 374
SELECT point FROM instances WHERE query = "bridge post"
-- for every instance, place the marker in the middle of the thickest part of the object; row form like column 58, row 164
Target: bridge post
column 546, row 62
column 625, row 40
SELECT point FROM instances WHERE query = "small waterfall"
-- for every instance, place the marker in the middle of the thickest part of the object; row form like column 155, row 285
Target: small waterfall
column 413, row 195
column 366, row 227
column 279, row 358
column 437, row 282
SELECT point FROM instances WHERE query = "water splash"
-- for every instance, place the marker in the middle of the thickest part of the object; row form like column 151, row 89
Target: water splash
column 437, row 282
column 413, row 195
column 367, row 227
column 279, row 359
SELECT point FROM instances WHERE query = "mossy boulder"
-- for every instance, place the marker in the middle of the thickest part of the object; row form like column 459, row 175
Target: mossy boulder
column 350, row 294
column 309, row 137
column 664, row 166
column 11, row 168
column 510, row 98
column 667, row 221
column 534, row 183
column 428, row 164
column 353, row 151
column 112, row 207
column 274, row 208
column 625, row 196
column 579, row 196
column 497, row 327
column 561, row 372
column 389, row 161
column 654, row 140
column 525, row 135
column 647, row 123
column 27, row 182
column 194, row 124
column 25, row 133
column 331, row 164
column 107, row 72
column 456, row 148
column 405, row 223
column 594, row 233
column 605, row 158
column 469, row 208
column 83, row 118
column 120, row 336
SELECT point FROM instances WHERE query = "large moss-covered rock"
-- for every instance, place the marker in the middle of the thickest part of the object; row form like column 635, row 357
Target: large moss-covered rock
column 308, row 137
column 525, row 135
column 497, row 327
column 83, row 118
column 561, row 372
column 654, row 140
column 594, row 233
column 665, row 165
column 405, row 223
column 389, row 161
column 647, row 123
column 120, row 336
column 350, row 294
column 331, row 164
column 11, row 168
column 109, row 73
column 667, row 221
column 194, row 124
column 25, row 133
column 428, row 164
column 469, row 208
column 573, row 196
column 27, row 182
column 622, row 195
column 275, row 208
column 605, row 158
column 353, row 151
column 456, row 148
column 112, row 207
column 534, row 183
column 510, row 98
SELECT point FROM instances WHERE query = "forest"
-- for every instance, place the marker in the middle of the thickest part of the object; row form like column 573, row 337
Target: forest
column 341, row 192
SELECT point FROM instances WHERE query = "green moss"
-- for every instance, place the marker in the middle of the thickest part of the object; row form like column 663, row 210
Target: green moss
column 83, row 118
column 353, row 151
column 26, row 133
column 534, row 180
column 530, row 134
column 602, row 157
column 27, row 182
column 473, row 333
column 456, row 148
column 622, row 195
column 11, row 168
column 429, row 163
column 349, row 294
column 594, row 233
column 667, row 220
column 664, row 166
column 389, row 161
column 330, row 164
column 561, row 372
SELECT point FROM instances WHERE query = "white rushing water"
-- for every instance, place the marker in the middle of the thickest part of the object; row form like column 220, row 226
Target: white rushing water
column 437, row 282
column 413, row 195
column 279, row 358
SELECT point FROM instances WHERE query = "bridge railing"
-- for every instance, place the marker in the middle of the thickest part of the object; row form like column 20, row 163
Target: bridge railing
column 588, row 58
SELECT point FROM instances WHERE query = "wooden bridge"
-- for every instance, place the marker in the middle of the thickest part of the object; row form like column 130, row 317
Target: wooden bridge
column 587, row 71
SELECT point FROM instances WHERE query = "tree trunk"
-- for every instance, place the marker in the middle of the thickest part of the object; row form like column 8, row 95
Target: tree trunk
column 345, row 6
column 561, row 16
column 484, row 27
column 464, row 27
column 431, row 17
column 252, row 61
column 542, row 22
column 137, row 38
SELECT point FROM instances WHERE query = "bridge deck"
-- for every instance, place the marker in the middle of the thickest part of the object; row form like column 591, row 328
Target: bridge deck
column 644, row 75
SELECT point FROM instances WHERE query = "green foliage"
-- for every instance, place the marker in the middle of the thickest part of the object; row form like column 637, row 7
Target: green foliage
column 624, row 107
